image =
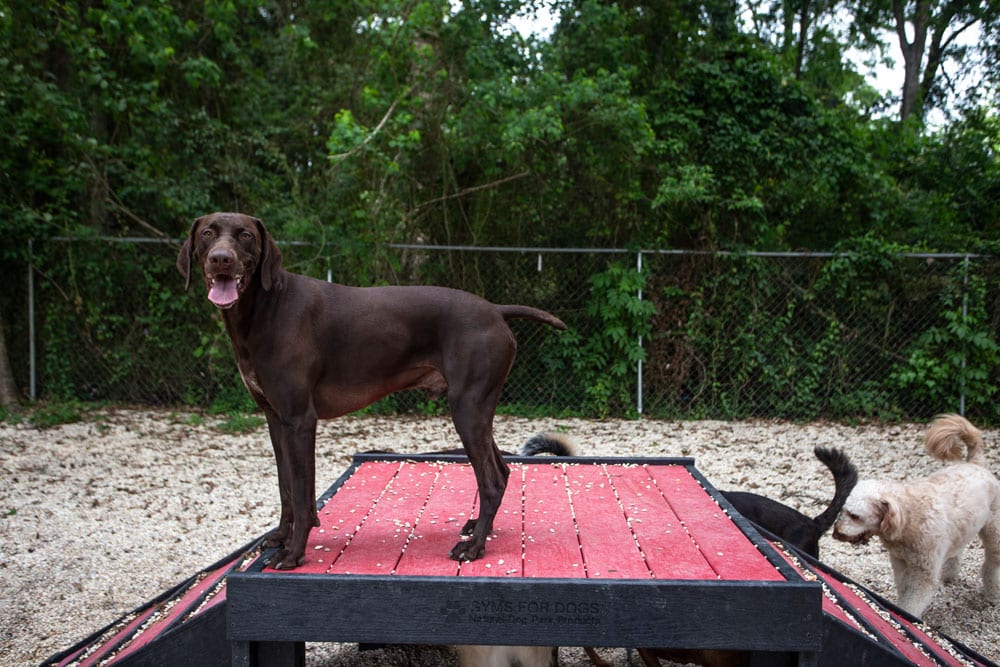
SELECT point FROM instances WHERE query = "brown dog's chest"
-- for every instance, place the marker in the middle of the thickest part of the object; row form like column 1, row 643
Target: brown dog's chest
column 250, row 381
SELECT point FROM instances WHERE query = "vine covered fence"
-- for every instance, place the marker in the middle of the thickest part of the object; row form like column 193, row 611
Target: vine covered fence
column 870, row 334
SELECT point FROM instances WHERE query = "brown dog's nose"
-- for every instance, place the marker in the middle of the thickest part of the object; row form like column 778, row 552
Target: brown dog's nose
column 221, row 260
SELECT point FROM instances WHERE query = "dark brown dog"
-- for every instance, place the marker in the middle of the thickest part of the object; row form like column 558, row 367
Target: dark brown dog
column 309, row 350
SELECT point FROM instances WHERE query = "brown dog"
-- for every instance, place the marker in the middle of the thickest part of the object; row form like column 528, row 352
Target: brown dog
column 309, row 350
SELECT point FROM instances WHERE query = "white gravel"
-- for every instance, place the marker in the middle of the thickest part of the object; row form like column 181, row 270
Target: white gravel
column 102, row 515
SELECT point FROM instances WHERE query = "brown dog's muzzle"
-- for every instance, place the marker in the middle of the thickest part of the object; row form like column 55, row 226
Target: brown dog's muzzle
column 225, row 276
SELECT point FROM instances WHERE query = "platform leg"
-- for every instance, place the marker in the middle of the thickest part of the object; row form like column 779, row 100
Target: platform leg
column 268, row 654
column 783, row 659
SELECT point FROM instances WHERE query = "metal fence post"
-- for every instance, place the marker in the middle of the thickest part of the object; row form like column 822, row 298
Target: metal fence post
column 638, row 407
column 965, row 318
column 31, row 324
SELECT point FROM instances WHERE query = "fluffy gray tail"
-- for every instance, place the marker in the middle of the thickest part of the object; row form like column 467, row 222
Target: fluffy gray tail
column 949, row 435
column 549, row 443
column 845, row 476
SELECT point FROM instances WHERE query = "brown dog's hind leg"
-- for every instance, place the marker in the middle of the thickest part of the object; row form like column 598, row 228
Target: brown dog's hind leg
column 491, row 479
column 474, row 423
column 476, row 371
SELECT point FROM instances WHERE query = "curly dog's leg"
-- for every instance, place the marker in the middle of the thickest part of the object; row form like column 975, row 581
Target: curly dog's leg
column 990, row 534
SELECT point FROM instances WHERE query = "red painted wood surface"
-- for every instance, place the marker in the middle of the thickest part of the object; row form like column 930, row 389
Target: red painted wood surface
column 179, row 606
column 886, row 622
column 562, row 520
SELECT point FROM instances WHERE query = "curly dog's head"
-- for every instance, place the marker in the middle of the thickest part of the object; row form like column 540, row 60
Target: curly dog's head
column 868, row 511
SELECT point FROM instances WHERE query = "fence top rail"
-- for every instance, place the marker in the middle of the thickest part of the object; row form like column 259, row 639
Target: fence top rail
column 674, row 251
column 552, row 250
column 146, row 239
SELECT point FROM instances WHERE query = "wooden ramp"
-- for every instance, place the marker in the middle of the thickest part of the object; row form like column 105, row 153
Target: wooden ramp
column 585, row 552
column 861, row 628
column 184, row 625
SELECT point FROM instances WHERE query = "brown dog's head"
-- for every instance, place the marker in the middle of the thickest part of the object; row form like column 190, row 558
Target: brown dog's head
column 230, row 248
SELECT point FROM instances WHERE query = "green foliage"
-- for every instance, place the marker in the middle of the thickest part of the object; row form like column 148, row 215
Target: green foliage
column 868, row 332
column 956, row 356
column 56, row 413
column 239, row 422
column 604, row 363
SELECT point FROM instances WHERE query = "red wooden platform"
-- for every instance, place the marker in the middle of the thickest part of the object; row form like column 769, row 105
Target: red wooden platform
column 584, row 552
column 563, row 520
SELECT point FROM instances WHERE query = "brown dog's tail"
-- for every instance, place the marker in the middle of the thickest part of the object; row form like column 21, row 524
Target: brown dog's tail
column 949, row 434
column 529, row 313
column 845, row 478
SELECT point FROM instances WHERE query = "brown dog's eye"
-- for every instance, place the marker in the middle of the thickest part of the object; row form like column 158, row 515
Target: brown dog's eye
column 206, row 233
column 246, row 236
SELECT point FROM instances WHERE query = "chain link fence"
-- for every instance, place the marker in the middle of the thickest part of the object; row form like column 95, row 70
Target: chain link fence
column 867, row 335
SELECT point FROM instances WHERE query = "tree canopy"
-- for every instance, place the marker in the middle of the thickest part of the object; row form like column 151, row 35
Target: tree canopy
column 712, row 124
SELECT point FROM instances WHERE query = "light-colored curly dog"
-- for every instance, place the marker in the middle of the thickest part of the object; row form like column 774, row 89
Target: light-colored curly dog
column 925, row 524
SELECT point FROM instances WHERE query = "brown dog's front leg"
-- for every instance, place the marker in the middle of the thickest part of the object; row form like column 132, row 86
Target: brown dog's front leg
column 277, row 537
column 299, row 451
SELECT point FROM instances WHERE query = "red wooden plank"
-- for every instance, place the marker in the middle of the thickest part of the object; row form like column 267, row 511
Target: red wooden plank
column 220, row 595
column 940, row 652
column 504, row 548
column 448, row 507
column 551, row 545
column 889, row 630
column 178, row 607
column 344, row 513
column 886, row 629
column 379, row 542
column 103, row 646
column 609, row 547
column 725, row 547
column 72, row 657
column 669, row 551
column 830, row 607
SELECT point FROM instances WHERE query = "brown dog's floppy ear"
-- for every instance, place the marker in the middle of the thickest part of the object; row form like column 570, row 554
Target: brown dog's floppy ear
column 893, row 521
column 186, row 256
column 270, row 258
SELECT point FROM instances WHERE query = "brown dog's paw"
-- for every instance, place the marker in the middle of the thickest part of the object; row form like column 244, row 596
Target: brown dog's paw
column 275, row 538
column 285, row 560
column 468, row 528
column 467, row 550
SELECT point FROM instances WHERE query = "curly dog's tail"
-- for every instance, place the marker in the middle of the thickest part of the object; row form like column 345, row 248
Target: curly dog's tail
column 948, row 435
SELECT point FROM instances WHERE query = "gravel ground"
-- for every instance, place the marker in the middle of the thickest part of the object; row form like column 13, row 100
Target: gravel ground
column 101, row 515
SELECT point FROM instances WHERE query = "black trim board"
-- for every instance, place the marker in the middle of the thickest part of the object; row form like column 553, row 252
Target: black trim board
column 453, row 610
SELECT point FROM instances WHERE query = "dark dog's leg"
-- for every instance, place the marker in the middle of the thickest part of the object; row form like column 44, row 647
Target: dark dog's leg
column 277, row 537
column 491, row 479
column 298, row 448
column 472, row 412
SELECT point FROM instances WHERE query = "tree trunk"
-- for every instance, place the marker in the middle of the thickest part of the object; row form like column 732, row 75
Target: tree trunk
column 913, row 54
column 10, row 397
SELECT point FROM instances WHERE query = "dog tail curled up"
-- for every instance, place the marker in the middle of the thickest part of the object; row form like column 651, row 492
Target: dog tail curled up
column 845, row 477
column 549, row 443
column 949, row 434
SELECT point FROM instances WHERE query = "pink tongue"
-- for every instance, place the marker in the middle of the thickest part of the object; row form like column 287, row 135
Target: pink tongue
column 223, row 291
